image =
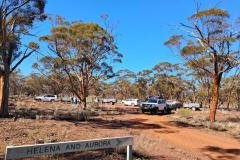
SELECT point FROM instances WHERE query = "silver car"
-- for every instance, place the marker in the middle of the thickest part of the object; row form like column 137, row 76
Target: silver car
column 46, row 98
column 154, row 106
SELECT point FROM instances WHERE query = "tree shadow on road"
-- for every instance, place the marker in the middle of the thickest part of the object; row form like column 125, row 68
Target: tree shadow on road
column 120, row 124
column 222, row 153
column 168, row 131
column 183, row 124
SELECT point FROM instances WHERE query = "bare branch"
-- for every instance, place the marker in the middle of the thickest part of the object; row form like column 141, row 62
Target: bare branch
column 17, row 7
column 25, row 55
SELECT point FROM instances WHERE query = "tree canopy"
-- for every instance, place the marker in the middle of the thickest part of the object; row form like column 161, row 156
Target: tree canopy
column 85, row 52
column 209, row 44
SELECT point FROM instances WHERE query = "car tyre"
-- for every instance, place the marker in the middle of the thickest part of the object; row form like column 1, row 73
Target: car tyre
column 166, row 110
column 154, row 111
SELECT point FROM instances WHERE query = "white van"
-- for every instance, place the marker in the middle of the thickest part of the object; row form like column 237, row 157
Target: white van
column 131, row 102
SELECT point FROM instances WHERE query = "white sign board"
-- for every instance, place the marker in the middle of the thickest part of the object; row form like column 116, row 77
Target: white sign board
column 15, row 152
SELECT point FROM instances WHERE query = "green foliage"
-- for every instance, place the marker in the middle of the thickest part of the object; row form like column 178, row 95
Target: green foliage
column 191, row 49
column 33, row 45
column 84, row 43
column 84, row 52
column 164, row 79
column 212, row 12
column 208, row 46
column 174, row 40
column 16, row 81
column 166, row 67
column 19, row 17
column 210, row 42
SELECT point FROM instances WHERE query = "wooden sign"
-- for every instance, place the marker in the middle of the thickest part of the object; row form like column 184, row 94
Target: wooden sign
column 15, row 152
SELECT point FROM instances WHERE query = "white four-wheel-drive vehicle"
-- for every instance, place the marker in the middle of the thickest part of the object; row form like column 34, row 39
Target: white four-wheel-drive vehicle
column 46, row 98
column 131, row 102
column 109, row 100
column 193, row 106
column 173, row 104
column 154, row 106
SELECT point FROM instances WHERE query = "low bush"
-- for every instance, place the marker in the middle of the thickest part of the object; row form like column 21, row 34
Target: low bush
column 226, row 121
column 74, row 114
column 217, row 126
column 183, row 112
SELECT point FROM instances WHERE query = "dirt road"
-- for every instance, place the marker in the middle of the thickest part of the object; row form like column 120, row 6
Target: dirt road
column 157, row 136
column 198, row 143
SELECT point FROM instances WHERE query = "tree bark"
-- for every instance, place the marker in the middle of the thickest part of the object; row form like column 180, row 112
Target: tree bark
column 238, row 99
column 228, row 101
column 208, row 95
column 84, row 103
column 214, row 98
column 83, row 92
column 1, row 93
column 4, row 94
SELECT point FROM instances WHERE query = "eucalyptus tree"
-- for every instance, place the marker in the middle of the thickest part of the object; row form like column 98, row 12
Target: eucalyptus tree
column 85, row 52
column 230, row 91
column 123, row 86
column 143, row 83
column 34, row 85
column 16, row 19
column 202, row 83
column 168, row 80
column 53, row 78
column 16, row 83
column 209, row 43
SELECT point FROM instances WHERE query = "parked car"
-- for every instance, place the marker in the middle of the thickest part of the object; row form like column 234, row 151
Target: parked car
column 46, row 98
column 74, row 100
column 155, row 97
column 155, row 106
column 66, row 99
column 173, row 104
column 109, row 100
column 131, row 102
column 193, row 106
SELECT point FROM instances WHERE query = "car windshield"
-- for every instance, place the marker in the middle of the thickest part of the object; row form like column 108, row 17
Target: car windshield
column 152, row 101
column 161, row 101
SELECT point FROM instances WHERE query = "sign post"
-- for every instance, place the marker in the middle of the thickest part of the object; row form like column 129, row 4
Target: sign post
column 129, row 152
column 16, row 152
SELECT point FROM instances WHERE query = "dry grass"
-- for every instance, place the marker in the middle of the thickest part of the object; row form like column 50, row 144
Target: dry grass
column 51, row 110
column 30, row 131
column 183, row 112
column 226, row 121
column 44, row 122
column 111, row 121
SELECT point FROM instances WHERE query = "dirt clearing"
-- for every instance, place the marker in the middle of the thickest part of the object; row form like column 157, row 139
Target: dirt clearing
column 155, row 136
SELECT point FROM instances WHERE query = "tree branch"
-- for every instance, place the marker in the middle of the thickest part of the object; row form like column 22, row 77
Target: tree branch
column 22, row 59
column 17, row 7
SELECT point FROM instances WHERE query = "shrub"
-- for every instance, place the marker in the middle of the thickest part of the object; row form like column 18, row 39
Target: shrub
column 183, row 112
column 217, row 126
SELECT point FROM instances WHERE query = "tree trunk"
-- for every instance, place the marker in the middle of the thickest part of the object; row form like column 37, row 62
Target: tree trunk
column 228, row 101
column 238, row 105
column 238, row 99
column 214, row 97
column 208, row 95
column 84, row 103
column 4, row 94
column 83, row 91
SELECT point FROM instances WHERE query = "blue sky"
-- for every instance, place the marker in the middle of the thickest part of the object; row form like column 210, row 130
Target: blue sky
column 142, row 26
